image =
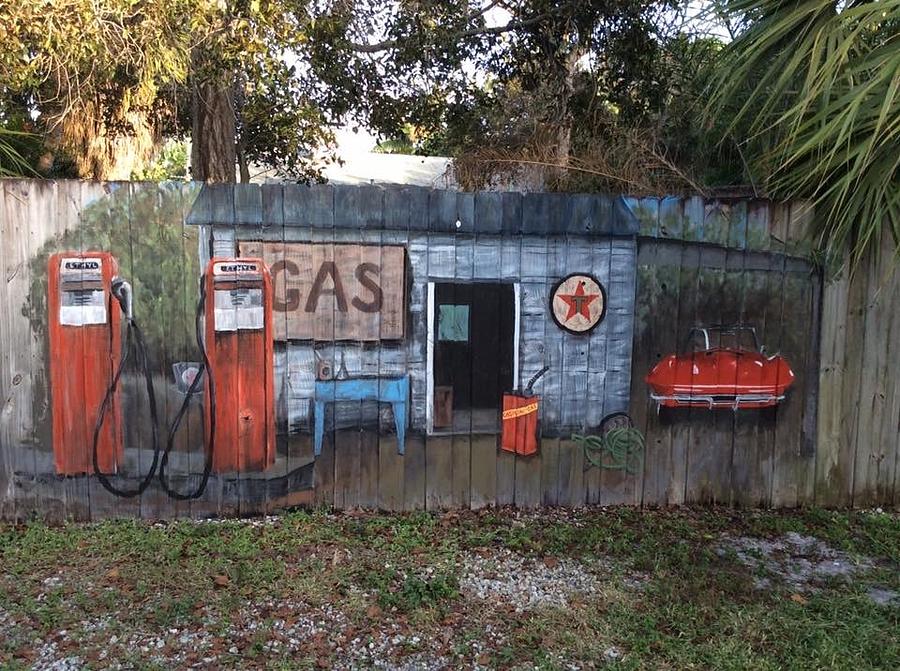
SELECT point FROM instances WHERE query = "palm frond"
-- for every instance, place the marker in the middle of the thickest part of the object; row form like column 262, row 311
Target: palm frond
column 820, row 81
column 12, row 163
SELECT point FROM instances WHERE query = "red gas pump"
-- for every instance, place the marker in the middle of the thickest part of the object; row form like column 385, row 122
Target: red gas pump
column 87, row 359
column 85, row 339
column 237, row 372
column 239, row 345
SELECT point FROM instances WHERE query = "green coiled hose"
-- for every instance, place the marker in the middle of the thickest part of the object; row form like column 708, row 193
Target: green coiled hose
column 619, row 449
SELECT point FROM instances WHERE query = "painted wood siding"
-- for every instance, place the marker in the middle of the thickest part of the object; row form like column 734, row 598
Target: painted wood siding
column 589, row 376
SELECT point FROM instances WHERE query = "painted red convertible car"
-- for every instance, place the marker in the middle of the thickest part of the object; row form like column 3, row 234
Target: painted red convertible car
column 721, row 367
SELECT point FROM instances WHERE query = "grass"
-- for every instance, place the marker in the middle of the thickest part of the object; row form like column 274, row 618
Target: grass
column 372, row 578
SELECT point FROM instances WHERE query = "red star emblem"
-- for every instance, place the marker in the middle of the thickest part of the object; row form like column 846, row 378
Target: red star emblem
column 579, row 302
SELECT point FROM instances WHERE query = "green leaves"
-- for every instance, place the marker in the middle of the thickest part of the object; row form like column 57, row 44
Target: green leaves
column 819, row 90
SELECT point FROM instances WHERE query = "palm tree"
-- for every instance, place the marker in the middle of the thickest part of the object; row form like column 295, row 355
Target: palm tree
column 815, row 86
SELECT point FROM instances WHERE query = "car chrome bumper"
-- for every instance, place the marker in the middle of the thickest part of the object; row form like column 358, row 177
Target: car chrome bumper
column 717, row 401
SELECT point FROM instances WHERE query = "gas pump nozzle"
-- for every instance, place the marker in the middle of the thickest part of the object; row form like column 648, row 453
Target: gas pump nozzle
column 121, row 289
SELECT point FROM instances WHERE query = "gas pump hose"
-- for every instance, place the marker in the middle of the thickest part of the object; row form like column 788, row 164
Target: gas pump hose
column 134, row 338
column 210, row 438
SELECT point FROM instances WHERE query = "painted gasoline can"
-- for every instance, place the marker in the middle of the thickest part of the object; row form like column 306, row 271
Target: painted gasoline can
column 520, row 419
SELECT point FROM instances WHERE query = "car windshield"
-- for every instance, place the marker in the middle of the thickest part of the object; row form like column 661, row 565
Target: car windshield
column 739, row 338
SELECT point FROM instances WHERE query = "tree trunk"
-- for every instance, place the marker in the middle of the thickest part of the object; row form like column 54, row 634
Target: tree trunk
column 562, row 118
column 243, row 165
column 213, row 156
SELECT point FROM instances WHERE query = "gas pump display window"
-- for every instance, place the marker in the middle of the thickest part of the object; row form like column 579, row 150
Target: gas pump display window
column 239, row 309
column 238, row 300
column 82, row 300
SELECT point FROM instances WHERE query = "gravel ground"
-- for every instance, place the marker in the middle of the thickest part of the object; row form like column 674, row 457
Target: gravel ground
column 526, row 582
column 294, row 629
column 500, row 590
column 801, row 562
column 288, row 630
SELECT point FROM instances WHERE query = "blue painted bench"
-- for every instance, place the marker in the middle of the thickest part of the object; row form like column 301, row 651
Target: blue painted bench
column 393, row 390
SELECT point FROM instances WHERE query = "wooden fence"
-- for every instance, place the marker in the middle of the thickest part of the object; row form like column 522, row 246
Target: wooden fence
column 858, row 430
column 834, row 441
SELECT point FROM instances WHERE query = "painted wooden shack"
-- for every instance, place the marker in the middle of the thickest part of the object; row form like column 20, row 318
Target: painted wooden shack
column 496, row 256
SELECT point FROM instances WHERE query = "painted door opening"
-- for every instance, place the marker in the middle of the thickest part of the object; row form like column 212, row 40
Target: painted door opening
column 474, row 329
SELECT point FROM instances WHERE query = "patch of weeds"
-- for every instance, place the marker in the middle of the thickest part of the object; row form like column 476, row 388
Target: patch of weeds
column 504, row 657
column 38, row 546
column 378, row 578
column 676, row 628
column 171, row 610
column 810, row 636
column 559, row 538
column 403, row 534
column 50, row 612
column 412, row 592
column 520, row 538
column 475, row 536
column 260, row 574
column 91, row 602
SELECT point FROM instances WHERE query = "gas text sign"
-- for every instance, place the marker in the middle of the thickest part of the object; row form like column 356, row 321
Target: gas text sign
column 331, row 292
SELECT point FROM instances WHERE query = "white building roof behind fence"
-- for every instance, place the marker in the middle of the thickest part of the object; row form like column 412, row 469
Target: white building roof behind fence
column 360, row 168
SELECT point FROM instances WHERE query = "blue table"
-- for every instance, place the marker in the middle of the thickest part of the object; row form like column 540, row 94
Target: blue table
column 393, row 390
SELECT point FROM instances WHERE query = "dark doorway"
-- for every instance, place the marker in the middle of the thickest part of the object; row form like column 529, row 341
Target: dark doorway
column 474, row 328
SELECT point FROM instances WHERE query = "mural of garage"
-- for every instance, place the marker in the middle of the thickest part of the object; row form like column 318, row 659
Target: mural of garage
column 234, row 349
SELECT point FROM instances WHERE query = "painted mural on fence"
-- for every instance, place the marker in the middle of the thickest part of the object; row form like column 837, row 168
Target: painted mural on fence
column 241, row 349
column 725, row 353
column 186, row 396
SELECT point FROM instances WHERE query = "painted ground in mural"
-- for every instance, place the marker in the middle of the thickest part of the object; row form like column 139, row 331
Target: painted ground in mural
column 556, row 590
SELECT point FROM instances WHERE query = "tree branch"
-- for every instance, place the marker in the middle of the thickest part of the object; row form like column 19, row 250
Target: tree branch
column 386, row 45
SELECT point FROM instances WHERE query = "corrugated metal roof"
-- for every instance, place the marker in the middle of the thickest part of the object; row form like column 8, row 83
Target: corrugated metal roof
column 412, row 208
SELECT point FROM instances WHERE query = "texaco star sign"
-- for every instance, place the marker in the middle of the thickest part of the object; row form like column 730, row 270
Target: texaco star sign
column 578, row 303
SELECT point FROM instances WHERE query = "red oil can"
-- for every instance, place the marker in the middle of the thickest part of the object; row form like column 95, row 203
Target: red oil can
column 520, row 416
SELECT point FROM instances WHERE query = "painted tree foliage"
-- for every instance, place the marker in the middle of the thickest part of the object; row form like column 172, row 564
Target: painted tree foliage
column 156, row 252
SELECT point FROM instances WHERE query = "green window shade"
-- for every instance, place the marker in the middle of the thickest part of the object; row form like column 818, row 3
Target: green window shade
column 453, row 323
